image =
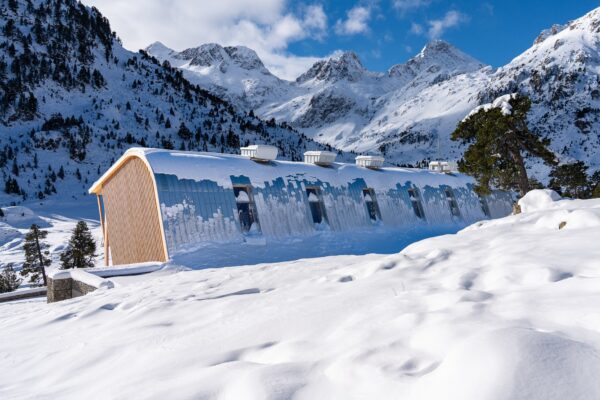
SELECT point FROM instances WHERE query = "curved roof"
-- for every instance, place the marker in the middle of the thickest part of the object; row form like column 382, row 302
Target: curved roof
column 220, row 167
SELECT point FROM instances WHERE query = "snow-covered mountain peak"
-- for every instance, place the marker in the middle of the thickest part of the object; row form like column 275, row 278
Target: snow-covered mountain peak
column 340, row 66
column 212, row 54
column 438, row 58
column 246, row 58
column 159, row 50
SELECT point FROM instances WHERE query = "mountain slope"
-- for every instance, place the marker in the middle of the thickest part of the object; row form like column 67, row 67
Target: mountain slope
column 409, row 112
column 73, row 99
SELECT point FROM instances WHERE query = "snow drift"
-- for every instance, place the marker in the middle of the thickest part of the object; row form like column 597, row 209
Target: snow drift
column 505, row 309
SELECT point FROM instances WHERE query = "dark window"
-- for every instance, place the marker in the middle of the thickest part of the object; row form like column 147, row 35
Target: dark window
column 452, row 202
column 415, row 199
column 246, row 209
column 484, row 206
column 317, row 207
column 372, row 206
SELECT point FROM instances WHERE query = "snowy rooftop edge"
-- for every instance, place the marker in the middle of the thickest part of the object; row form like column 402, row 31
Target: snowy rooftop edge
column 154, row 158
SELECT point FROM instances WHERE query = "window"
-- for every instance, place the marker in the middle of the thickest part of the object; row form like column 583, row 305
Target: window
column 484, row 206
column 372, row 206
column 246, row 209
column 415, row 199
column 317, row 207
column 452, row 202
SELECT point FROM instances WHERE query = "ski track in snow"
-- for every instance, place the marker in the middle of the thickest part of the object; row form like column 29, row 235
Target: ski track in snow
column 505, row 309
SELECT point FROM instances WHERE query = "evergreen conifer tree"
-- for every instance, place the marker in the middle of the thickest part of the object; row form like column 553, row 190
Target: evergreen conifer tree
column 9, row 281
column 571, row 180
column 595, row 185
column 36, row 255
column 81, row 250
column 498, row 143
column 1, row 213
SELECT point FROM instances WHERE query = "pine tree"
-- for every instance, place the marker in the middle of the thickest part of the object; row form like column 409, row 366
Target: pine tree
column 36, row 255
column 184, row 132
column 498, row 143
column 81, row 250
column 595, row 185
column 571, row 180
column 9, row 281
column 1, row 213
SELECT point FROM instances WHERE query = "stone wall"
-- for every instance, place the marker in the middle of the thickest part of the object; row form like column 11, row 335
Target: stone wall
column 63, row 286
column 22, row 294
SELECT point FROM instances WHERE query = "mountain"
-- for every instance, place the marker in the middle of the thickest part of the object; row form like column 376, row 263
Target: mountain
column 72, row 99
column 408, row 112
column 338, row 101
column 233, row 72
column 561, row 74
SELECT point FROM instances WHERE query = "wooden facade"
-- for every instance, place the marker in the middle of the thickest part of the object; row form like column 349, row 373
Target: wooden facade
column 131, row 220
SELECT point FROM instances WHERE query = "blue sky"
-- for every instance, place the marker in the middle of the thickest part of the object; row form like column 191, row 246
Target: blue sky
column 492, row 31
column 290, row 36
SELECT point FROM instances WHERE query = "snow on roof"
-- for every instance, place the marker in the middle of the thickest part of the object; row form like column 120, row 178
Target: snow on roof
column 220, row 167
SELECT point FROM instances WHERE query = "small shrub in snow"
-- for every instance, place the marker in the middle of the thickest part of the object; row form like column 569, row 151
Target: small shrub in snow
column 81, row 250
column 9, row 281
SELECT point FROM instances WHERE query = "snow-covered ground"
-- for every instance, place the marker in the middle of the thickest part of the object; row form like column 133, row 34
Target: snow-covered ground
column 504, row 309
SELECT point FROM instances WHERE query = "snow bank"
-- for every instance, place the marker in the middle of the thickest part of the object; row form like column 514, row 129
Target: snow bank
column 538, row 199
column 22, row 217
column 505, row 309
column 515, row 364
column 8, row 233
column 83, row 277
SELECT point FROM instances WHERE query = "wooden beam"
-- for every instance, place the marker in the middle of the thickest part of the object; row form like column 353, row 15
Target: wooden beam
column 104, row 231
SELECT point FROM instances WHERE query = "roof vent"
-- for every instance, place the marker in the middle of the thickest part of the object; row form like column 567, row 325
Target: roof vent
column 443, row 166
column 260, row 152
column 373, row 162
column 323, row 158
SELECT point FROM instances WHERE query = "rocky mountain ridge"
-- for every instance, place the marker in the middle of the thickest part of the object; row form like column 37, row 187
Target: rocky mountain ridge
column 408, row 112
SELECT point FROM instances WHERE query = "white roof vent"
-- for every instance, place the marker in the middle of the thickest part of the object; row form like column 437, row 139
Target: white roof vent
column 443, row 166
column 323, row 158
column 260, row 152
column 373, row 162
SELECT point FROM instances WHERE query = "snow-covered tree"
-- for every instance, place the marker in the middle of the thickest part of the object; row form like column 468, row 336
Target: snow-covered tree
column 9, row 281
column 81, row 250
column 498, row 140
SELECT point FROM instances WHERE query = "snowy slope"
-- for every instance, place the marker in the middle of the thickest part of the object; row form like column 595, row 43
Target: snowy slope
column 503, row 310
column 233, row 72
column 409, row 112
column 108, row 99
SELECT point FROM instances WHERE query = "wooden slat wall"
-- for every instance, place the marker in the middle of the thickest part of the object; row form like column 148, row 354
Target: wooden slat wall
column 134, row 230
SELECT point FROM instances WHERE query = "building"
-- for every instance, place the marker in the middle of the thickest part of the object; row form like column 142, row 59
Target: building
column 443, row 166
column 156, row 203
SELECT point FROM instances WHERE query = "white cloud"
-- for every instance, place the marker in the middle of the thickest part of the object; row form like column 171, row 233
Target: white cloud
column 416, row 29
column 267, row 26
column 450, row 20
column 356, row 21
column 408, row 5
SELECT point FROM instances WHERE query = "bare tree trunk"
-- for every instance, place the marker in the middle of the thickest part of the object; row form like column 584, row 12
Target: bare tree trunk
column 523, row 179
column 41, row 257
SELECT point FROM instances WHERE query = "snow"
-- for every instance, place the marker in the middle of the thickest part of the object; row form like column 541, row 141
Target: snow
column 501, row 102
column 242, row 197
column 540, row 199
column 504, row 309
column 83, row 277
column 515, row 364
